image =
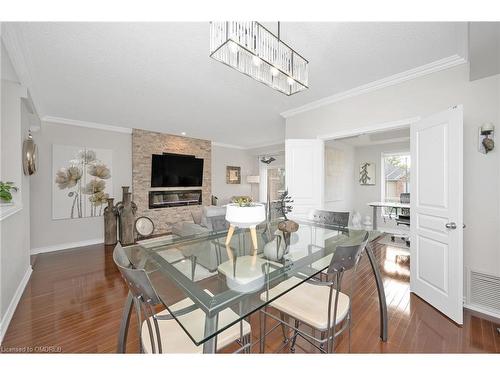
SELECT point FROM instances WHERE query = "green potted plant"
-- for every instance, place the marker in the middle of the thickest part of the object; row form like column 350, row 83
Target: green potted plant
column 5, row 191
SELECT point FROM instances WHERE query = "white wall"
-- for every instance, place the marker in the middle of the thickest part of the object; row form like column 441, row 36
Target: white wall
column 48, row 234
column 226, row 156
column 422, row 97
column 15, row 266
column 262, row 168
column 249, row 161
column 8, row 73
column 339, row 176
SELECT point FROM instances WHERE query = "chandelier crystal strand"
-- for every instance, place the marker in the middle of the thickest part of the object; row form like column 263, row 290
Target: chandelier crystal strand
column 253, row 50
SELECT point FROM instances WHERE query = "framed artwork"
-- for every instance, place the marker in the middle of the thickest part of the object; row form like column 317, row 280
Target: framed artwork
column 81, row 181
column 233, row 175
column 367, row 173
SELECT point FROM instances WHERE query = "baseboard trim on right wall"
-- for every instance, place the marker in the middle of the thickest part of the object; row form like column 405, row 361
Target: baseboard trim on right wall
column 485, row 314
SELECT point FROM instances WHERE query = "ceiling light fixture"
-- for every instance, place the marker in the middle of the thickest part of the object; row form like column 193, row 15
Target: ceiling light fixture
column 254, row 51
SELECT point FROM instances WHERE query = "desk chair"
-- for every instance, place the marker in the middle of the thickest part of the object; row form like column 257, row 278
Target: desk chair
column 404, row 217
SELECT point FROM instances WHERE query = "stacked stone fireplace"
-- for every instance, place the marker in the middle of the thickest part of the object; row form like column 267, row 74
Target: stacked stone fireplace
column 157, row 203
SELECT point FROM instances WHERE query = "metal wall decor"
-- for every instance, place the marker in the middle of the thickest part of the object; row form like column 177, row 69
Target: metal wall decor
column 83, row 181
column 144, row 226
column 29, row 156
column 254, row 51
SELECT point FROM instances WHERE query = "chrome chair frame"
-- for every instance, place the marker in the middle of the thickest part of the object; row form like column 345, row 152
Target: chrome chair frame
column 345, row 258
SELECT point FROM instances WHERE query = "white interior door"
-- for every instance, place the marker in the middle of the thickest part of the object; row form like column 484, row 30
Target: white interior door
column 304, row 174
column 437, row 211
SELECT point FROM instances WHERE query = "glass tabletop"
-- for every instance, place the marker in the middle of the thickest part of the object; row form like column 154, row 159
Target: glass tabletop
column 229, row 282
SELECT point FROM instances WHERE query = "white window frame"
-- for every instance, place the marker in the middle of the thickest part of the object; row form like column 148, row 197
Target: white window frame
column 382, row 169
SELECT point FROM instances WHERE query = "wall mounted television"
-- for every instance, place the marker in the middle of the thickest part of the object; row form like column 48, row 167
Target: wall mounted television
column 174, row 170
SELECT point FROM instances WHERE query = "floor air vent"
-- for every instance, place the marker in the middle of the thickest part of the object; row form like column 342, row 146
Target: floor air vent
column 485, row 291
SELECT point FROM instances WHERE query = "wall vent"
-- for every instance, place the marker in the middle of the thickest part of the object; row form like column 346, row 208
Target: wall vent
column 485, row 291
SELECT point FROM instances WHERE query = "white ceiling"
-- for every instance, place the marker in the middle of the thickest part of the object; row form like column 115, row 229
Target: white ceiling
column 158, row 76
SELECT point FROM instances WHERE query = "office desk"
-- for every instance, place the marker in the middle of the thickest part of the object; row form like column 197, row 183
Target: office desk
column 376, row 205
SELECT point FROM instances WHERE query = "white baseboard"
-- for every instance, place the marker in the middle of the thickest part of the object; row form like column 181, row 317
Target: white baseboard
column 64, row 246
column 482, row 311
column 4, row 324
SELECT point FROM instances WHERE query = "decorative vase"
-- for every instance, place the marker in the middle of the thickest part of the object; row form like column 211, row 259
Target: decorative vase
column 276, row 248
column 126, row 211
column 110, row 223
column 367, row 222
column 356, row 220
column 288, row 227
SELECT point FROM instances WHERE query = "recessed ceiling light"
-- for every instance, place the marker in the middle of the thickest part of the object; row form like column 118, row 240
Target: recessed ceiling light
column 183, row 133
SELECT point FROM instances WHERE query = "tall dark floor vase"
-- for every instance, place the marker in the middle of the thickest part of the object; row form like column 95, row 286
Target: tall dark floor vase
column 126, row 212
column 110, row 223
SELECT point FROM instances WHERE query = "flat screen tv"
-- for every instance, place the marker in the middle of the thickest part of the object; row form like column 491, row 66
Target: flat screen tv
column 173, row 170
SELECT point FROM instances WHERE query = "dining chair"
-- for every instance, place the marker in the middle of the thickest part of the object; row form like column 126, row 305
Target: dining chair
column 333, row 218
column 159, row 332
column 322, row 305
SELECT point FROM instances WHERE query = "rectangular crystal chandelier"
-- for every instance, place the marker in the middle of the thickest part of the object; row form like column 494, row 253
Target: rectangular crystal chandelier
column 253, row 50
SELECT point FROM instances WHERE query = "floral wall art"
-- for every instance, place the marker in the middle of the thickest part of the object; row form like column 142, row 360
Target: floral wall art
column 82, row 181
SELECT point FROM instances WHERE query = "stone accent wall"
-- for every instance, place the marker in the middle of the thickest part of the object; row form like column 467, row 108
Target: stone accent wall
column 146, row 143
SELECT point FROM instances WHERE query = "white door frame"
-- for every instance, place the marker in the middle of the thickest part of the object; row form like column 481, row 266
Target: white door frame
column 374, row 128
column 263, row 178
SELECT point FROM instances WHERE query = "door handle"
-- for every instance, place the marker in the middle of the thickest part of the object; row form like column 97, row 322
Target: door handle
column 451, row 225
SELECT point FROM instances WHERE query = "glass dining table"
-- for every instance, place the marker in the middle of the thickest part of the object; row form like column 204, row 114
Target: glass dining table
column 214, row 276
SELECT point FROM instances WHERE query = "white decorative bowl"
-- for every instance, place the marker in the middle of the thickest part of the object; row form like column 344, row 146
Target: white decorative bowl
column 245, row 217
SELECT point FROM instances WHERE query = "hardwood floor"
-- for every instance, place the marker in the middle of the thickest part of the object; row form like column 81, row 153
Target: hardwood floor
column 74, row 300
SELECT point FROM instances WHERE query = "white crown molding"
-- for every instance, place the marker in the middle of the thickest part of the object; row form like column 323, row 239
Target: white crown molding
column 66, row 246
column 14, row 46
column 447, row 62
column 246, row 148
column 227, row 145
column 4, row 324
column 268, row 144
column 86, row 124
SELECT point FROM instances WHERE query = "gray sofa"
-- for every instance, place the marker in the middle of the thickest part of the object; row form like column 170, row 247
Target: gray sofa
column 205, row 253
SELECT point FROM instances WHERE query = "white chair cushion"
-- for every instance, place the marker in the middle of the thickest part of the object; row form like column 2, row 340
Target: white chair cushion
column 307, row 303
column 175, row 340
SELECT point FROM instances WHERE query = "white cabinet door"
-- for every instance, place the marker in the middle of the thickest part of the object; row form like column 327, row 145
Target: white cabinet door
column 437, row 211
column 304, row 174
